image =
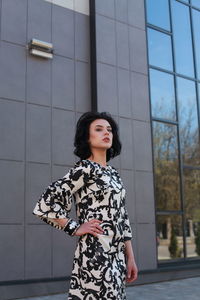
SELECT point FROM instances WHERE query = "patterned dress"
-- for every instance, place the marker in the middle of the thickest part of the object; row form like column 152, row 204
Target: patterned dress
column 99, row 265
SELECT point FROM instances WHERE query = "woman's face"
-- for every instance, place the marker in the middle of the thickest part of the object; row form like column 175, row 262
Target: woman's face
column 100, row 134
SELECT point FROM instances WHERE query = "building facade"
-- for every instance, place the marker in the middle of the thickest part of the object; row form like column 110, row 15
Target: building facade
column 138, row 60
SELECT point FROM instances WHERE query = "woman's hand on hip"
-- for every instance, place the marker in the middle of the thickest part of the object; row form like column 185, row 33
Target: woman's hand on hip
column 91, row 227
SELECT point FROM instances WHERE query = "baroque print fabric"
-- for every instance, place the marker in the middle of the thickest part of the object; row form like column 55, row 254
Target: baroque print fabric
column 99, row 265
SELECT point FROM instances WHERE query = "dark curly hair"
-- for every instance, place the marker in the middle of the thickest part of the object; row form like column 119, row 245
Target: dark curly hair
column 82, row 147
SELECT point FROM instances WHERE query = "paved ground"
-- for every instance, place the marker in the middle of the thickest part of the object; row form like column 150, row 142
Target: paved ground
column 183, row 289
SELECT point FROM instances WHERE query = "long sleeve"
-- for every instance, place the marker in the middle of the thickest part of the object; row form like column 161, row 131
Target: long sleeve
column 128, row 235
column 56, row 200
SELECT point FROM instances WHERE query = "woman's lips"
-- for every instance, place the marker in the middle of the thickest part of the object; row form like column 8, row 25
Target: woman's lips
column 106, row 140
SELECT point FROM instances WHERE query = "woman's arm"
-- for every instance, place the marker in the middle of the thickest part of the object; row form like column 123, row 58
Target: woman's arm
column 132, row 270
column 91, row 227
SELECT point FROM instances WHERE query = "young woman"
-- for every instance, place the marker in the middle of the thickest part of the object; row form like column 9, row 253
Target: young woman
column 104, row 259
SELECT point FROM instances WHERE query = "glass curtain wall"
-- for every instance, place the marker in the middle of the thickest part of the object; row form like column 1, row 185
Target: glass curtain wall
column 173, row 38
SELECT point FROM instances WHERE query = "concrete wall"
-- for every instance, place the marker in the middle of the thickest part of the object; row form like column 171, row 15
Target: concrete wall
column 122, row 89
column 40, row 102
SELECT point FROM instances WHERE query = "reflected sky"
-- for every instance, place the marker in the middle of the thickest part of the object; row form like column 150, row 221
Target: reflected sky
column 196, row 3
column 162, row 95
column 196, row 24
column 182, row 39
column 159, row 16
column 160, row 50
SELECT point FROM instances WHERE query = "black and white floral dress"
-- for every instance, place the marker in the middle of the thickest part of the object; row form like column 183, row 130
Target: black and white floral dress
column 99, row 266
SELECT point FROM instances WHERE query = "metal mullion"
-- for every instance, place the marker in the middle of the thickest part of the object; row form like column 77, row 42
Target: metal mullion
column 151, row 125
column 174, row 73
column 161, row 69
column 157, row 28
column 179, row 143
column 191, row 167
column 195, row 70
column 169, row 212
column 170, row 122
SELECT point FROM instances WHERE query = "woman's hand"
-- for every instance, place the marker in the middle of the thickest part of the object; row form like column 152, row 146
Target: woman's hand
column 91, row 227
column 131, row 270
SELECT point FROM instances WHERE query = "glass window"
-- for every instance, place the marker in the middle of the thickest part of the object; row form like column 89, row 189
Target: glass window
column 188, row 121
column 169, row 237
column 196, row 3
column 182, row 39
column 199, row 97
column 159, row 16
column 162, row 95
column 159, row 48
column 192, row 204
column 166, row 167
column 196, row 26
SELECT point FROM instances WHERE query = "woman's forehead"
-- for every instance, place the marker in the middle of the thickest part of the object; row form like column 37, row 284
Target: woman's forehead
column 100, row 123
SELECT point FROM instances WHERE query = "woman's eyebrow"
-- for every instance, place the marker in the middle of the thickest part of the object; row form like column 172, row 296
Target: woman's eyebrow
column 102, row 125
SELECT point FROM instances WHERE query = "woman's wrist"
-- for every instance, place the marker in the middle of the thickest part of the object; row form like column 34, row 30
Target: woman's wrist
column 71, row 227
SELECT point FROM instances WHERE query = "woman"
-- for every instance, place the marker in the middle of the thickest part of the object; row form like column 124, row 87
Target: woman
column 104, row 258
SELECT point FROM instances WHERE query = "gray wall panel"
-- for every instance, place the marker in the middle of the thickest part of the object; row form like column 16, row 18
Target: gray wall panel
column 142, row 146
column 63, row 252
column 123, row 59
column 38, row 80
column 106, row 7
column 12, row 71
column 40, row 101
column 136, row 15
column 106, row 40
column 146, row 244
column 12, row 192
column 128, row 101
column 63, row 31
column 62, row 137
column 140, row 96
column 12, row 252
column 82, row 85
column 39, row 20
column 38, row 177
column 144, row 197
column 107, row 88
column 124, row 93
column 126, row 156
column 138, row 52
column 13, row 22
column 12, row 130
column 82, row 45
column 38, row 133
column 63, row 82
column 38, row 251
column 121, row 8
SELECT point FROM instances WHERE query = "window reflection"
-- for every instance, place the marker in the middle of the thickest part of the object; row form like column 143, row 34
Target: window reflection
column 192, row 204
column 159, row 49
column 162, row 95
column 188, row 121
column 169, row 237
column 182, row 39
column 196, row 24
column 196, row 3
column 166, row 166
column 160, row 19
